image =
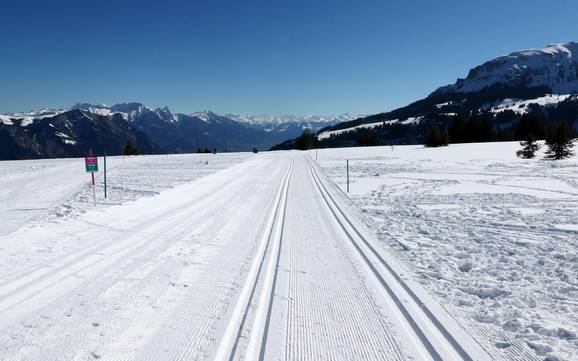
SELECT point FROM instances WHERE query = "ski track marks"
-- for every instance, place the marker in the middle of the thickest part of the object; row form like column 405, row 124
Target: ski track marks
column 260, row 261
column 156, row 293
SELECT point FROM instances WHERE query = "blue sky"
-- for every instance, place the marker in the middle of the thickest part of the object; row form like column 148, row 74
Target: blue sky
column 259, row 57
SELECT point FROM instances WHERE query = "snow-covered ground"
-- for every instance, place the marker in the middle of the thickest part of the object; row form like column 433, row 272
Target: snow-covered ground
column 258, row 258
column 34, row 192
column 493, row 237
column 262, row 257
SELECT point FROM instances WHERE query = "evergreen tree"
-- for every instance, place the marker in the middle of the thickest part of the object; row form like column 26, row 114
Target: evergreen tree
column 560, row 142
column 530, row 124
column 131, row 149
column 306, row 140
column 366, row 138
column 479, row 127
column 485, row 131
column 529, row 148
column 457, row 130
column 472, row 128
column 435, row 137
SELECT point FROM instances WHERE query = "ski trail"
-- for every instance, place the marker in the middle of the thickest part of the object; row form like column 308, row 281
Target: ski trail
column 228, row 346
column 164, row 289
column 330, row 312
column 427, row 328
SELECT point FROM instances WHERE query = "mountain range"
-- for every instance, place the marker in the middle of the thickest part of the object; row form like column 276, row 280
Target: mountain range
column 71, row 132
column 542, row 82
column 539, row 82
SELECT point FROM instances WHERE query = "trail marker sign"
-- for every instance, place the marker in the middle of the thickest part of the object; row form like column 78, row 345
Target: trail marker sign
column 91, row 163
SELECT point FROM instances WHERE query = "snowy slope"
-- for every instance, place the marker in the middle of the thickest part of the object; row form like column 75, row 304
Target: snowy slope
column 494, row 237
column 521, row 106
column 554, row 66
column 329, row 133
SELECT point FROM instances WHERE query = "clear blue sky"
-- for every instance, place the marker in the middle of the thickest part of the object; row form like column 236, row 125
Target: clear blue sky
column 259, row 57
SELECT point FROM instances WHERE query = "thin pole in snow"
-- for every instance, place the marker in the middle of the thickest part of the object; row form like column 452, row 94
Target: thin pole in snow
column 105, row 174
column 348, row 176
column 93, row 190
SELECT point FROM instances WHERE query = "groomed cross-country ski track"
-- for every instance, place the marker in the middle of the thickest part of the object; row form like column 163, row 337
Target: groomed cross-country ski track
column 263, row 260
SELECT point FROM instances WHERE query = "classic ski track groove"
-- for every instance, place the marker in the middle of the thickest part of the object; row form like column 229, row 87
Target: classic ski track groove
column 332, row 310
column 227, row 349
column 430, row 343
column 195, row 306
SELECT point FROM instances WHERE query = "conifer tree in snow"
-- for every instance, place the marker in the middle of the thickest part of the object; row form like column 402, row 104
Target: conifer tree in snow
column 529, row 147
column 435, row 137
column 560, row 142
column 457, row 130
column 131, row 149
column 306, row 140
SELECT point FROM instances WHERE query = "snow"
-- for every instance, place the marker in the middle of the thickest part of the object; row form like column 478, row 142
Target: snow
column 197, row 257
column 277, row 120
column 40, row 191
column 29, row 118
column 6, row 120
column 328, row 134
column 521, row 106
column 491, row 236
column 553, row 66
column 441, row 105
column 408, row 121
column 61, row 135
column 206, row 116
column 101, row 111
column 411, row 120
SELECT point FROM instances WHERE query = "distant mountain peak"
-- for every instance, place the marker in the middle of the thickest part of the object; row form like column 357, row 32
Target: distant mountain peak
column 205, row 115
column 554, row 66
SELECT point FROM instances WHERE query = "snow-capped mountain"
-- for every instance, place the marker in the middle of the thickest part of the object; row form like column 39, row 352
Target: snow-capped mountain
column 554, row 66
column 165, row 131
column 288, row 118
column 68, row 133
column 291, row 123
column 542, row 81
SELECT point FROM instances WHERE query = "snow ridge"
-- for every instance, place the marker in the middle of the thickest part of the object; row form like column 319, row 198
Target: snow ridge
column 554, row 66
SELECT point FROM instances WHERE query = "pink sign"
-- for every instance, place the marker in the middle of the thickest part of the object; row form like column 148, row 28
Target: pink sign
column 91, row 163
